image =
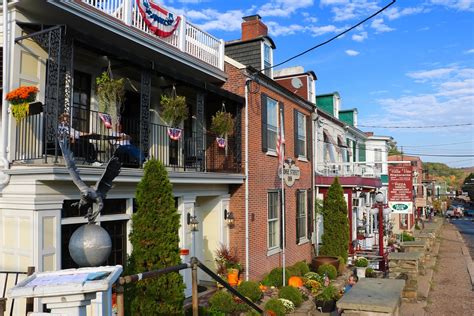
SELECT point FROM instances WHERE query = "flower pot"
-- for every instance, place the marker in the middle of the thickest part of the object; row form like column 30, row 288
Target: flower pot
column 320, row 260
column 360, row 272
column 174, row 133
column 233, row 277
column 326, row 306
column 220, row 142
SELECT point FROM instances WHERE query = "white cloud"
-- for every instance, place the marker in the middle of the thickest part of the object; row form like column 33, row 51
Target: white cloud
column 461, row 5
column 332, row 2
column 395, row 13
column 276, row 29
column 470, row 51
column 378, row 92
column 380, row 27
column 347, row 10
column 362, row 36
column 425, row 75
column 283, row 8
column 309, row 18
column 215, row 20
column 351, row 52
column 321, row 30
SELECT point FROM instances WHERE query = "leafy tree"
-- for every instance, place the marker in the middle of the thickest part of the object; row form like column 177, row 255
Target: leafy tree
column 155, row 239
column 393, row 150
column 336, row 225
column 468, row 186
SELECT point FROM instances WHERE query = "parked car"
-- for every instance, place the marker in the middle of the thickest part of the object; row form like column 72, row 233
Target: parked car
column 469, row 212
column 453, row 212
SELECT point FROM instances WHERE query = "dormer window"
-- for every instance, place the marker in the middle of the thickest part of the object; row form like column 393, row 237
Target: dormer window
column 267, row 59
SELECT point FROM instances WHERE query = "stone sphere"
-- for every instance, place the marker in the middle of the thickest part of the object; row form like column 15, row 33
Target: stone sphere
column 90, row 245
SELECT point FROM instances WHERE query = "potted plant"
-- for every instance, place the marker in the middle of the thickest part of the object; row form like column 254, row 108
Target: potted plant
column 361, row 264
column 222, row 124
column 227, row 265
column 20, row 100
column 326, row 299
column 110, row 96
column 174, row 111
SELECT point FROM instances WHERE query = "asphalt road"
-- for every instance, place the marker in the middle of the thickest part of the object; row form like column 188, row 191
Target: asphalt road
column 465, row 226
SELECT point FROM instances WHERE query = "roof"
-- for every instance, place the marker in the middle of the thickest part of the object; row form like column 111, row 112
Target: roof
column 258, row 38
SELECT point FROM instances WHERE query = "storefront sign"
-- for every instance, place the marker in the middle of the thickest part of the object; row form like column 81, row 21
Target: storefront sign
column 158, row 20
column 400, row 189
column 291, row 172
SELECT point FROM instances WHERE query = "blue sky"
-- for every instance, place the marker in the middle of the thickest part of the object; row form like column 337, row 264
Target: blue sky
column 413, row 65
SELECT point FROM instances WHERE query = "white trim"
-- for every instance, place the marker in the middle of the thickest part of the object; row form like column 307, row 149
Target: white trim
column 273, row 251
column 234, row 62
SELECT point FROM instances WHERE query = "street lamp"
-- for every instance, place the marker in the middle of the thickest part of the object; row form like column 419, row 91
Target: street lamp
column 379, row 203
column 193, row 227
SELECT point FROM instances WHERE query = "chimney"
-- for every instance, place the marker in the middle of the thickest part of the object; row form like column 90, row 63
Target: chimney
column 253, row 27
column 369, row 133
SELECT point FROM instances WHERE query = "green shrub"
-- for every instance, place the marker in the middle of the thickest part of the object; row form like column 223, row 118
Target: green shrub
column 250, row 290
column 155, row 242
column 407, row 237
column 302, row 267
column 292, row 294
column 223, row 302
column 275, row 277
column 361, row 262
column 329, row 270
column 327, row 294
column 314, row 276
column 370, row 273
column 293, row 271
column 276, row 306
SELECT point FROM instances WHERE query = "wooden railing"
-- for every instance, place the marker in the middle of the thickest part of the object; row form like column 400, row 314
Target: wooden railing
column 187, row 37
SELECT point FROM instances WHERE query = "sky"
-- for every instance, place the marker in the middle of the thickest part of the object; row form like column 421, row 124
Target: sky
column 410, row 66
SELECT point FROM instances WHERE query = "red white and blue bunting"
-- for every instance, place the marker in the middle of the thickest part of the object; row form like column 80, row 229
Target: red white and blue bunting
column 160, row 21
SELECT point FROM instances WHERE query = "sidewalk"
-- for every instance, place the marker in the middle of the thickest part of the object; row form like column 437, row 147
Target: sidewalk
column 450, row 289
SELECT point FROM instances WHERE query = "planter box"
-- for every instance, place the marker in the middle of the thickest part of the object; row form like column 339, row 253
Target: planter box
column 326, row 306
column 35, row 108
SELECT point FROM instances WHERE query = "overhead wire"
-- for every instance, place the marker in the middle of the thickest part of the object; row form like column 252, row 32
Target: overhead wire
column 425, row 126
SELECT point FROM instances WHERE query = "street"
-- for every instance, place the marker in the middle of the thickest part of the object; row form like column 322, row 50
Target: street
column 465, row 226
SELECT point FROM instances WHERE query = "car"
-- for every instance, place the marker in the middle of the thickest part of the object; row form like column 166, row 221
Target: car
column 453, row 212
column 469, row 212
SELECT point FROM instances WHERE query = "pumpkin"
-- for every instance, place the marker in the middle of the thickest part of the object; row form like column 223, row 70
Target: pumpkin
column 295, row 281
column 262, row 287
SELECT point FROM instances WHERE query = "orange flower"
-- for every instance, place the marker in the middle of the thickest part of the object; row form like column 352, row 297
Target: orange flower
column 22, row 95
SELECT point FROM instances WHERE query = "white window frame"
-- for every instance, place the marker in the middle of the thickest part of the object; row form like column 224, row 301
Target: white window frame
column 273, row 248
column 271, row 127
column 302, row 198
column 302, row 137
column 265, row 44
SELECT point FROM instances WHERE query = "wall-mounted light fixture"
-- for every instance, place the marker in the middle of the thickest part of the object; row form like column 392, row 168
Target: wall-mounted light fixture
column 229, row 217
column 192, row 222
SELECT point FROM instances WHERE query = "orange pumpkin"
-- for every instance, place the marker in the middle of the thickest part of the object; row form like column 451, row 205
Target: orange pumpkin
column 295, row 281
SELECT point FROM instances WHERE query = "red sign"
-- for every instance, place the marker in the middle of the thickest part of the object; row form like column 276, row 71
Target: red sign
column 400, row 184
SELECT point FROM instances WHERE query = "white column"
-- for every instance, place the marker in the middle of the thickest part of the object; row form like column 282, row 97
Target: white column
column 182, row 34
column 185, row 206
column 127, row 11
column 221, row 54
column 224, row 229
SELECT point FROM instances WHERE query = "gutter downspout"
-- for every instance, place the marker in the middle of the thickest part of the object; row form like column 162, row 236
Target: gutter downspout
column 313, row 179
column 247, row 260
column 4, row 178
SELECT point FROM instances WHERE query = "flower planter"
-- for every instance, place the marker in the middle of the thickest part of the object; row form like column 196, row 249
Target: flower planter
column 220, row 142
column 174, row 133
column 326, row 306
column 320, row 260
column 233, row 277
column 360, row 272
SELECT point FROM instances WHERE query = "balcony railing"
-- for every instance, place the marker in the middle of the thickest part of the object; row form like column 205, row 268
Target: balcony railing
column 350, row 169
column 187, row 37
column 93, row 143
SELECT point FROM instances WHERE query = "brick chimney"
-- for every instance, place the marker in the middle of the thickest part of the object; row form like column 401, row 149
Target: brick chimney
column 369, row 133
column 253, row 27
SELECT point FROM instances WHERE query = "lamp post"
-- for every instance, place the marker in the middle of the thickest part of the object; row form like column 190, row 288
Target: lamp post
column 379, row 203
column 193, row 227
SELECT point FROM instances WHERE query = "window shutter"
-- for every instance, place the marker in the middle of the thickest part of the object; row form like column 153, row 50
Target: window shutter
column 310, row 212
column 297, row 221
column 309, row 138
column 263, row 104
column 282, row 111
column 280, row 193
column 295, row 132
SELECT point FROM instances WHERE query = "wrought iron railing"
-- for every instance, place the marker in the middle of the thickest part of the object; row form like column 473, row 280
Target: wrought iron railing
column 187, row 37
column 93, row 142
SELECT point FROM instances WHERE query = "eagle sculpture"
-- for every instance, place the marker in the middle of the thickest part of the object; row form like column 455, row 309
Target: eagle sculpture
column 90, row 195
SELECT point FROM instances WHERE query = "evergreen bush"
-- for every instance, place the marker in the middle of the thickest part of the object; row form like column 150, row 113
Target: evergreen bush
column 276, row 306
column 275, row 277
column 222, row 302
column 329, row 270
column 302, row 267
column 155, row 239
column 251, row 290
column 407, row 237
column 336, row 226
column 292, row 294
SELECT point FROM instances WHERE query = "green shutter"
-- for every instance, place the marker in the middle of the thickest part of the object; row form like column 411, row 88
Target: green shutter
column 361, row 152
column 263, row 112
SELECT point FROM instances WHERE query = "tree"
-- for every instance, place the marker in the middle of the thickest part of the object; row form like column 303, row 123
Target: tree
column 336, row 225
column 155, row 239
column 393, row 150
column 468, row 186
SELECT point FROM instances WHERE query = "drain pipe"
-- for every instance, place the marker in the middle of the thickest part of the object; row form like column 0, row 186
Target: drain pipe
column 247, row 260
column 4, row 178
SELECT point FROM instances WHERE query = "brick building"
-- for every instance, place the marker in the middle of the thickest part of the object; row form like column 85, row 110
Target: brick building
column 257, row 204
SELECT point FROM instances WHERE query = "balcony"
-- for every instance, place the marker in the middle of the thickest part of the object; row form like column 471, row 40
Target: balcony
column 187, row 38
column 350, row 169
column 95, row 144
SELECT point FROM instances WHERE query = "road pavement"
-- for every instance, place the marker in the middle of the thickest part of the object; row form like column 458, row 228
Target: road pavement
column 465, row 226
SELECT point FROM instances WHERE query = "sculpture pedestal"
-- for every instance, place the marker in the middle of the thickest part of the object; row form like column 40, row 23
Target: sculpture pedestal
column 69, row 292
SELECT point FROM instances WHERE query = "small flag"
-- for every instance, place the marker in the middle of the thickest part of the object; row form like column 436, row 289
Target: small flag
column 280, row 137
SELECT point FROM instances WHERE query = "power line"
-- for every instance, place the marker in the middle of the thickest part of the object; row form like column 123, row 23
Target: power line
column 437, row 145
column 436, row 155
column 331, row 39
column 426, row 126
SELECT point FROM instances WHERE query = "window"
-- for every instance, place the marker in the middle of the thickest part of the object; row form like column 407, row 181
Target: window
column 81, row 101
column 300, row 134
column 378, row 159
column 301, row 216
column 267, row 59
column 273, row 220
column 269, row 123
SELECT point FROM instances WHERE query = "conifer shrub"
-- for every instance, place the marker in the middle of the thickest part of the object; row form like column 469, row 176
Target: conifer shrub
column 276, row 306
column 336, row 225
column 251, row 290
column 329, row 270
column 275, row 277
column 292, row 294
column 222, row 302
column 302, row 267
column 155, row 239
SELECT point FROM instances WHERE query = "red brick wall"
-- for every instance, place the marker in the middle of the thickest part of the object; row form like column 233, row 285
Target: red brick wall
column 263, row 176
column 253, row 29
column 302, row 92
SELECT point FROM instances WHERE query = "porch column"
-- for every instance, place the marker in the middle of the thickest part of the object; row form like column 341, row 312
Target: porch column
column 185, row 206
column 224, row 231
column 145, row 94
column 200, row 130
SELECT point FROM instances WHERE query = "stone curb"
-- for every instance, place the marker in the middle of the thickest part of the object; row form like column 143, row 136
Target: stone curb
column 467, row 256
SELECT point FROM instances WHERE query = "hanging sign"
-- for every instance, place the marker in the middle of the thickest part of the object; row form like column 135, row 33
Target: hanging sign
column 160, row 21
column 400, row 189
column 291, row 172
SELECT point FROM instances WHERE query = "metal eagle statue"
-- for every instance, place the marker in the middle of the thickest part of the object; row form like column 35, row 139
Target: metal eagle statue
column 90, row 195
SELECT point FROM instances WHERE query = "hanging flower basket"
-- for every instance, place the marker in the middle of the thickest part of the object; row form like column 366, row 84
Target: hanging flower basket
column 220, row 142
column 174, row 133
column 110, row 96
column 20, row 100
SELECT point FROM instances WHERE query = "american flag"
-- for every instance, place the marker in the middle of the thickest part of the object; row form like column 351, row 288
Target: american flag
column 280, row 138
